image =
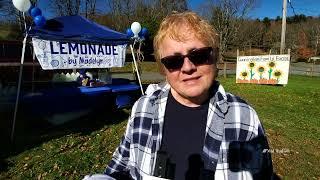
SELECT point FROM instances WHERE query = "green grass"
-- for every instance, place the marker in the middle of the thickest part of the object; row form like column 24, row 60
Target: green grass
column 145, row 66
column 72, row 150
column 4, row 33
column 7, row 33
column 290, row 116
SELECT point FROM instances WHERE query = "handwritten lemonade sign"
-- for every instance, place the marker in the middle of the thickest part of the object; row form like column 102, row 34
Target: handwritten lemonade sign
column 67, row 55
column 265, row 69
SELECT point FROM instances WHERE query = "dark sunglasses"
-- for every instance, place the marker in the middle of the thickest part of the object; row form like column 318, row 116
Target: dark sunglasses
column 196, row 56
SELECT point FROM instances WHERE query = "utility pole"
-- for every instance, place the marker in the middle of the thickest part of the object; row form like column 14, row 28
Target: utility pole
column 283, row 31
column 316, row 51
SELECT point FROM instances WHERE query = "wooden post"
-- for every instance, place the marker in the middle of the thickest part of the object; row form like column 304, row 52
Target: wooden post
column 290, row 71
column 289, row 51
column 312, row 67
column 224, row 69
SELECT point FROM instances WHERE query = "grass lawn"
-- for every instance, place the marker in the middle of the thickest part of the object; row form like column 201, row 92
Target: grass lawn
column 4, row 33
column 146, row 66
column 289, row 114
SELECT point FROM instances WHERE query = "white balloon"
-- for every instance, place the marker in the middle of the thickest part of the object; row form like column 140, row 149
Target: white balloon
column 22, row 5
column 135, row 28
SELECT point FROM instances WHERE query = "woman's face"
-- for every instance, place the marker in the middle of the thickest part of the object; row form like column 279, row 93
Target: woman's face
column 191, row 83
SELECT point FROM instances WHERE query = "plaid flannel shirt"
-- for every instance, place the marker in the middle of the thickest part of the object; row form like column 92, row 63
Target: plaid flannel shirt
column 235, row 146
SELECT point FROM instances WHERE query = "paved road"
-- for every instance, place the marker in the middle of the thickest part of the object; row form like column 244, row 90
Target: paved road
column 300, row 68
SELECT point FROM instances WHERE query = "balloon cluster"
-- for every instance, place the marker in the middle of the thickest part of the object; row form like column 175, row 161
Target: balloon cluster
column 25, row 6
column 137, row 32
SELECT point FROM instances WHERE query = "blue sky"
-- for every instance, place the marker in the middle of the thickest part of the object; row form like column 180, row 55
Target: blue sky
column 265, row 8
column 273, row 8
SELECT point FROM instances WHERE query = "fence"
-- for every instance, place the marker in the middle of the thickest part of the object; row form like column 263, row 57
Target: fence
column 302, row 68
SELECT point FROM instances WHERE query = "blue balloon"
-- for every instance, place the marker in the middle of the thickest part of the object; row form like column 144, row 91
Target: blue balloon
column 144, row 32
column 129, row 32
column 35, row 12
column 31, row 7
column 40, row 21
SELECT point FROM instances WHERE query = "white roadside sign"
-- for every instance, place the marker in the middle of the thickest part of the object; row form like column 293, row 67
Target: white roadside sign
column 265, row 69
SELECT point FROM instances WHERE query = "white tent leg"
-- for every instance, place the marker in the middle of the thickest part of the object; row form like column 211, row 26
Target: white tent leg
column 135, row 65
column 18, row 90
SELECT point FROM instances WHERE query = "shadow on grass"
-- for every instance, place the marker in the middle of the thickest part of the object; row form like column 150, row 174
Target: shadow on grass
column 31, row 131
column 32, row 127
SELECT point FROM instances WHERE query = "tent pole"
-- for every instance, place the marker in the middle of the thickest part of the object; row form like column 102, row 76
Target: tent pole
column 18, row 90
column 19, row 82
column 137, row 71
column 33, row 71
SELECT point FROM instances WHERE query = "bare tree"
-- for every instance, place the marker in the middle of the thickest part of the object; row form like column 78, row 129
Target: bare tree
column 148, row 12
column 226, row 16
column 65, row 7
column 152, row 12
column 90, row 8
column 7, row 10
column 314, row 34
column 14, row 17
column 120, row 13
column 250, row 33
column 167, row 6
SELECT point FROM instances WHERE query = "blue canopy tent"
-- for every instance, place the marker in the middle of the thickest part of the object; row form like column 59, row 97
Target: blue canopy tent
column 74, row 42
column 78, row 29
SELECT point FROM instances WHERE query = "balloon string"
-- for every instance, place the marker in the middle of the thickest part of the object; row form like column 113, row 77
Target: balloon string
column 25, row 25
column 24, row 20
column 134, row 43
column 140, row 54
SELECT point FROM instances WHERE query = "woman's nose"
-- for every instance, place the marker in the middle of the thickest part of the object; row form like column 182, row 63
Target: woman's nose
column 188, row 66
